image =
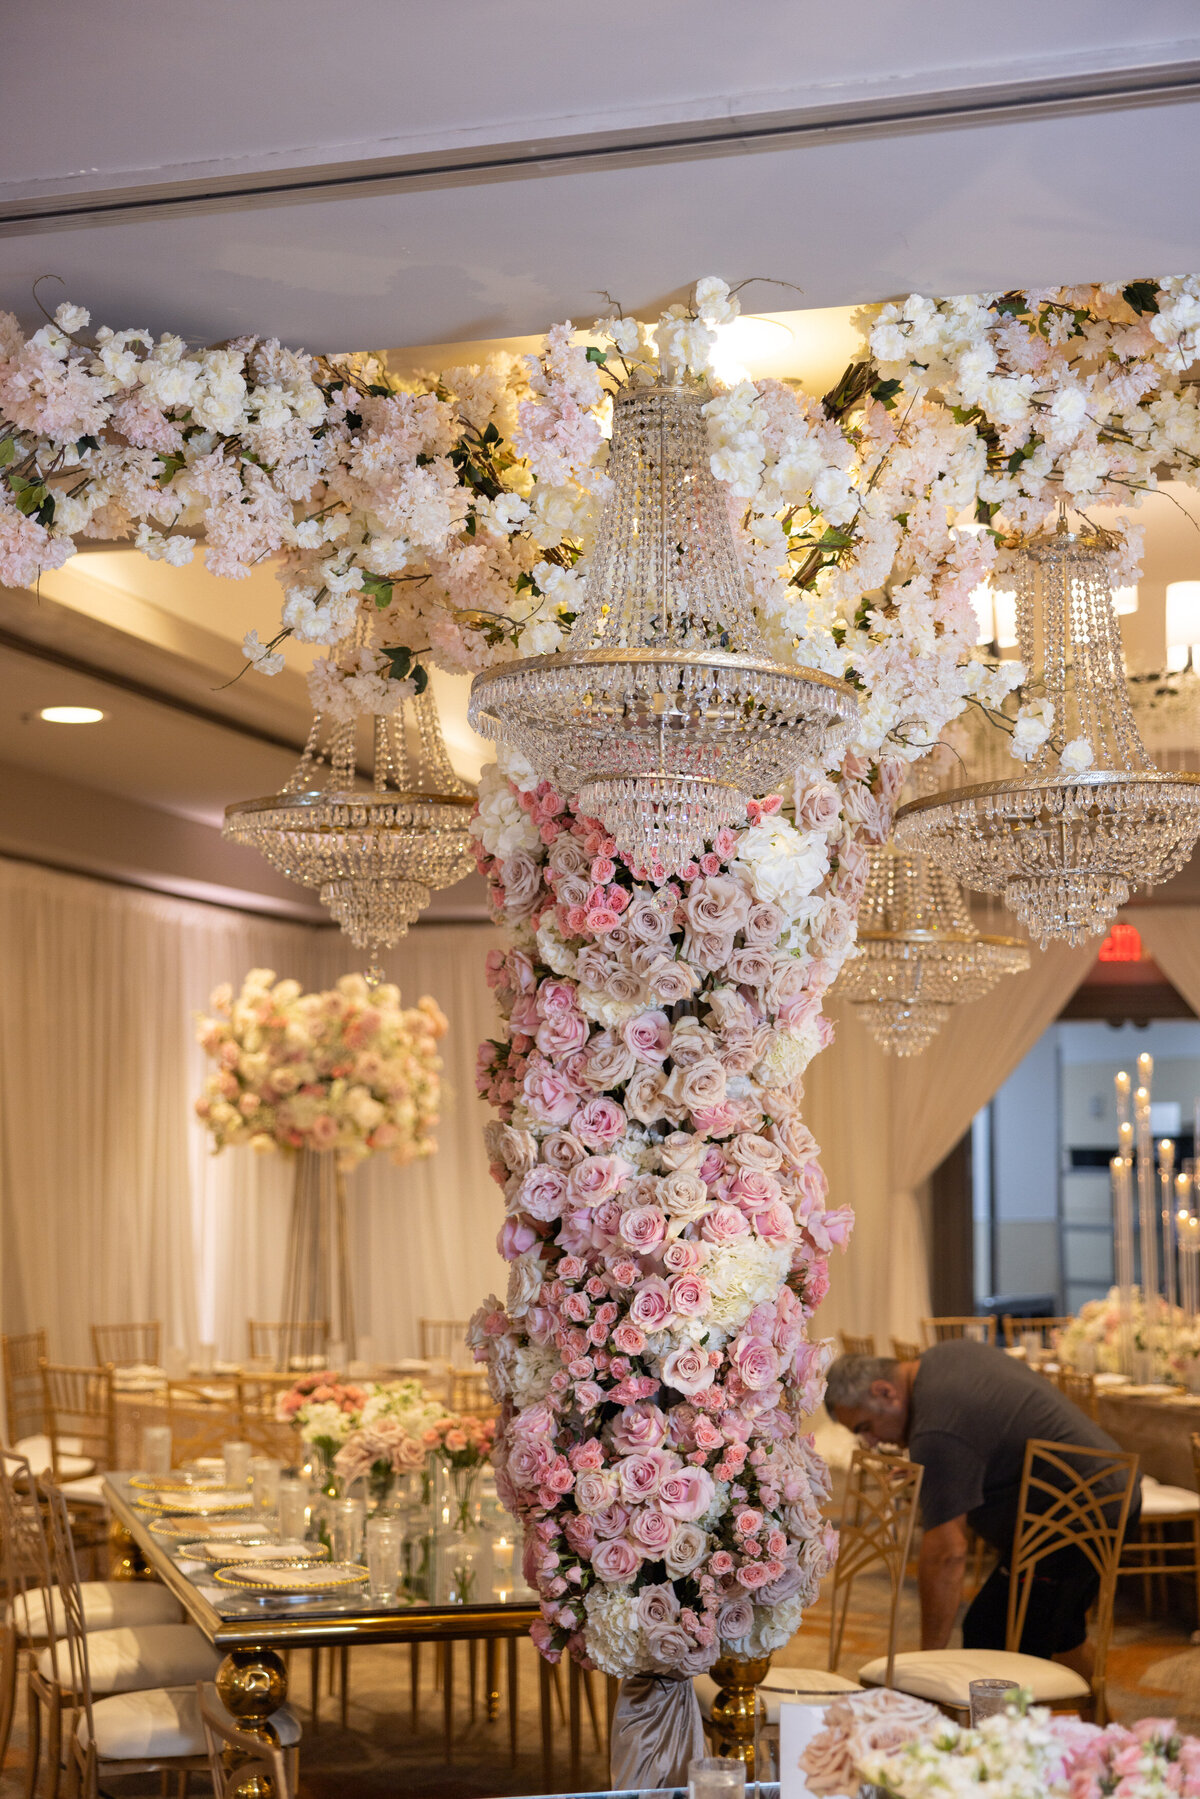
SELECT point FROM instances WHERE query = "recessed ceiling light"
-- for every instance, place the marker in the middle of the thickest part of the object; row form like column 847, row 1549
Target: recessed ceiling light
column 71, row 715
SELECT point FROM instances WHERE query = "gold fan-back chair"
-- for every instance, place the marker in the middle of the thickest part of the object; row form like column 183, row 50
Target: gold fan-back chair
column 1016, row 1328
column 852, row 1345
column 905, row 1351
column 949, row 1329
column 1080, row 1389
column 126, row 1345
column 24, row 1399
column 299, row 1345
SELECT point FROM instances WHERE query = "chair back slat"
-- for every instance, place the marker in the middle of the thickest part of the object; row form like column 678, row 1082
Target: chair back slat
column 80, row 1413
column 1072, row 1496
column 1016, row 1328
column 905, row 1351
column 76, row 1675
column 288, row 1346
column 444, row 1340
column 1080, row 1389
column 203, row 1416
column 979, row 1329
column 125, row 1345
column 878, row 1515
column 267, row 1434
column 24, row 1401
column 853, row 1345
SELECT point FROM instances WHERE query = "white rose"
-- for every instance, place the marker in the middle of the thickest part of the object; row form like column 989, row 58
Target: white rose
column 1076, row 756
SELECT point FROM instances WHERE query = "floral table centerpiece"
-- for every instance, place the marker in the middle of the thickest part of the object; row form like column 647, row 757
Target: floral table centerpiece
column 461, row 1445
column 906, row 1749
column 331, row 1078
column 1164, row 1334
column 371, row 1429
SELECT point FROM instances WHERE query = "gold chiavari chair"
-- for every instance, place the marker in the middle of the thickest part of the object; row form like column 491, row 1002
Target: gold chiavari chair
column 1080, row 1389
column 26, row 1572
column 443, row 1339
column 852, row 1345
column 81, row 1422
column 233, row 1756
column 125, row 1345
column 1071, row 1496
column 469, row 1392
column 946, row 1330
column 1016, row 1328
column 1166, row 1541
column 24, row 1401
column 301, row 1344
column 905, row 1351
column 265, row 1433
column 203, row 1415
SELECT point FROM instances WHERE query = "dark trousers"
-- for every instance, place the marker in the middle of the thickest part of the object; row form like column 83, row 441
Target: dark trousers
column 1064, row 1589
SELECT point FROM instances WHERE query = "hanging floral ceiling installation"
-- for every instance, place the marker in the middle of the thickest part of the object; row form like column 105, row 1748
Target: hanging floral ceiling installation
column 666, row 1224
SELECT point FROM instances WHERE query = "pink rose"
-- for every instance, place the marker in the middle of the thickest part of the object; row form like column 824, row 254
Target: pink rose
column 641, row 1475
column 652, row 1531
column 820, row 808
column 657, row 1605
column 718, row 904
column 651, row 1306
column 690, row 1296
column 682, row 1257
column 670, row 981
column 597, row 1179
column 562, row 1150
column 750, row 967
column 599, row 1123
column 643, row 1228
column 595, row 1489
column 753, row 1189
column 735, row 1618
column 764, row 923
column 608, row 1063
column 648, row 1035
column 748, row 1151
column 648, row 920
column 562, row 1032
column 628, row 1339
column 755, row 1363
column 724, row 1224
column 638, row 1428
column 549, row 1096
column 613, row 1521
column 542, row 1193
column 686, row 1494
column 708, row 950
column 688, row 1370
column 644, row 1098
column 775, row 1224
column 615, row 1561
column 752, row 1575
column 516, row 1236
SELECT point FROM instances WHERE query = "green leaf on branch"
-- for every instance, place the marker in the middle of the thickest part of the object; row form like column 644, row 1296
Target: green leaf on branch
column 885, row 392
column 420, row 677
column 595, row 354
column 1141, row 295
column 170, row 467
column 833, row 539
column 1012, row 305
column 8, row 451
column 400, row 660
column 379, row 588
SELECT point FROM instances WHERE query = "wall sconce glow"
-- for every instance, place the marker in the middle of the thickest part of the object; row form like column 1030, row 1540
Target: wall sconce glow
column 1125, row 600
column 1183, row 622
column 996, row 612
column 745, row 341
column 71, row 715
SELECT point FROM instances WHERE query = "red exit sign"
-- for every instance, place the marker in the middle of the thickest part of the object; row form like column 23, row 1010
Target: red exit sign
column 1123, row 944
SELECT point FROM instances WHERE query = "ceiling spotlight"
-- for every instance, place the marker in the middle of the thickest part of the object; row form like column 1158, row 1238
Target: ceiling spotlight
column 71, row 715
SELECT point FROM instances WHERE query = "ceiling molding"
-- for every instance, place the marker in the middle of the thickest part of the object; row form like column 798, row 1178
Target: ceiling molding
column 1041, row 97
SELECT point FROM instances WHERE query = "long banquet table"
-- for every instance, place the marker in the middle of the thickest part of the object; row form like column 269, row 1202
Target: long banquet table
column 252, row 1679
column 1157, row 1425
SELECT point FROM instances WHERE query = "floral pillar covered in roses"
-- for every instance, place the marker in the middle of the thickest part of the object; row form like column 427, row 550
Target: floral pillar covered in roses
column 666, row 1223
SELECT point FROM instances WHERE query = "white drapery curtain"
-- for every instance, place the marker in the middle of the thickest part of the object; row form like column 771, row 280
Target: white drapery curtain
column 885, row 1123
column 112, row 1205
column 1172, row 936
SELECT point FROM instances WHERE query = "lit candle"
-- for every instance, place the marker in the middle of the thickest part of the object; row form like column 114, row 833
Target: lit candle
column 1124, row 1088
column 1145, row 1069
column 1122, row 1194
column 502, row 1555
column 1166, row 1182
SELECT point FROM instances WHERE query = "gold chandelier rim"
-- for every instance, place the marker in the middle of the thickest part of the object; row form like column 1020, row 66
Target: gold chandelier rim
column 309, row 798
column 1097, row 778
column 970, row 938
column 617, row 657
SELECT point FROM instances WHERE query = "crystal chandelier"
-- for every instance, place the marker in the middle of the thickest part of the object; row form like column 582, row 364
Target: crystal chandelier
column 663, row 711
column 1063, row 847
column 375, row 853
column 919, row 953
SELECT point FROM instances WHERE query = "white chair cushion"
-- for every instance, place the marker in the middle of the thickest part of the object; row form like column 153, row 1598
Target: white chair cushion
column 107, row 1605
column 1168, row 1502
column 780, row 1684
column 152, row 1655
column 944, row 1676
column 39, row 1453
column 86, row 1491
column 162, row 1724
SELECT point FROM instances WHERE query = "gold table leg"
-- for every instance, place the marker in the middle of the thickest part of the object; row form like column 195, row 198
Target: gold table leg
column 732, row 1722
column 491, row 1677
column 125, row 1559
column 252, row 1683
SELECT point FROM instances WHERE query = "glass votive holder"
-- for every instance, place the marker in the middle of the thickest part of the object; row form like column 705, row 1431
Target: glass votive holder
column 716, row 1777
column 236, row 1457
column 156, row 1448
column 385, row 1538
column 991, row 1698
column 264, row 1480
column 292, row 1507
column 347, row 1517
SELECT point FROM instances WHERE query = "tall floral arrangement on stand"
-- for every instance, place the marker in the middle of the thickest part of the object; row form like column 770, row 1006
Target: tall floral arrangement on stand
column 666, row 1224
column 332, row 1078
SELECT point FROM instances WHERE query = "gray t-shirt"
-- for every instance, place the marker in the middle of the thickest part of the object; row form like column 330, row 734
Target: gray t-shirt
column 973, row 1410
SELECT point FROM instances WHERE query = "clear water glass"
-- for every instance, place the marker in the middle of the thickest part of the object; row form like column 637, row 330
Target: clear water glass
column 264, row 1477
column 716, row 1777
column 236, row 1457
column 292, row 1506
column 347, row 1518
column 990, row 1698
column 385, row 1538
column 156, row 1449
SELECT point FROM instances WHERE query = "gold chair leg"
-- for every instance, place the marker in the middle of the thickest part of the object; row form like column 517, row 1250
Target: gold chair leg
column 556, row 1683
column 414, row 1681
column 575, row 1734
column 612, row 1692
column 589, row 1693
column 344, row 1671
column 314, row 1688
column 545, row 1702
column 33, row 1735
column 472, row 1675
column 448, row 1698
column 512, row 1701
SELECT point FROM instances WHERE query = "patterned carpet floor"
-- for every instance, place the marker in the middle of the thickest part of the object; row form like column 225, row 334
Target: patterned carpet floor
column 1153, row 1670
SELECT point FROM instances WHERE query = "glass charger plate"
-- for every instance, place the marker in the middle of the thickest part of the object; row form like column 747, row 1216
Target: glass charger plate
column 268, row 1581
column 223, row 1553
column 199, row 1502
column 190, row 1530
